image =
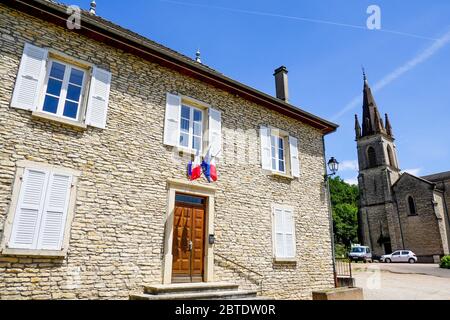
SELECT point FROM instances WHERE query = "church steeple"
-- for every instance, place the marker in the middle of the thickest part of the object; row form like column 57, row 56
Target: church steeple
column 372, row 123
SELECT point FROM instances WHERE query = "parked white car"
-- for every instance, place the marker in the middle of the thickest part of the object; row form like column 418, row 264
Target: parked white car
column 360, row 253
column 400, row 256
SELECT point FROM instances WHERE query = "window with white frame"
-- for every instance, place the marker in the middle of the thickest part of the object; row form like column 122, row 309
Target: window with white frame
column 279, row 152
column 283, row 233
column 61, row 88
column 192, row 126
column 42, row 203
column 64, row 88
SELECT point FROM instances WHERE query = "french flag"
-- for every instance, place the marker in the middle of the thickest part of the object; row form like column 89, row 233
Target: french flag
column 209, row 167
column 195, row 168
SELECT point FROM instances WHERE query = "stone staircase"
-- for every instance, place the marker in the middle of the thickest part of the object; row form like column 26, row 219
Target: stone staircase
column 196, row 291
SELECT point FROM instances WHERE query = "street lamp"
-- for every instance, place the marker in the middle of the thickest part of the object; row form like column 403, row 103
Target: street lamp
column 333, row 166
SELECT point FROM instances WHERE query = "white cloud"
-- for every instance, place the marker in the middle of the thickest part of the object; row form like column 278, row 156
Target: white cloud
column 414, row 172
column 394, row 75
column 352, row 181
column 348, row 165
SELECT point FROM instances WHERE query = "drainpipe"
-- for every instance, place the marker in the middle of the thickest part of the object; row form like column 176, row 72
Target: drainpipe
column 330, row 212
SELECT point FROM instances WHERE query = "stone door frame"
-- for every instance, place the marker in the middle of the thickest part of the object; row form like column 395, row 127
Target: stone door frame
column 175, row 186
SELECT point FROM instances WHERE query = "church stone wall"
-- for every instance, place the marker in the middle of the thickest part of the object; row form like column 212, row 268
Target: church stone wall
column 421, row 232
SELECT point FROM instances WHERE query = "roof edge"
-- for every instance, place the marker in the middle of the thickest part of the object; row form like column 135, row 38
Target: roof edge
column 119, row 37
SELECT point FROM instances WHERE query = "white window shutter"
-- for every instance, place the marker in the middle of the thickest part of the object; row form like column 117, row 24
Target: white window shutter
column 295, row 162
column 54, row 215
column 279, row 233
column 288, row 224
column 30, row 78
column 266, row 151
column 97, row 107
column 215, row 132
column 29, row 209
column 172, row 120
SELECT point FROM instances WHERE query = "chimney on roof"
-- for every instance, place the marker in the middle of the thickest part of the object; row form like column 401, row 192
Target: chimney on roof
column 281, row 83
column 93, row 8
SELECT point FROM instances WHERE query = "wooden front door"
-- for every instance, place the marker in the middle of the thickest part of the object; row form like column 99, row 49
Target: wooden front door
column 188, row 247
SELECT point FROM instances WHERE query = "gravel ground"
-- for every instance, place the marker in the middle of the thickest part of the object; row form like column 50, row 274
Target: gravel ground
column 402, row 281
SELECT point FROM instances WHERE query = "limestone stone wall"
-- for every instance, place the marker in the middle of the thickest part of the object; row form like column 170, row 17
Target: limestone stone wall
column 116, row 242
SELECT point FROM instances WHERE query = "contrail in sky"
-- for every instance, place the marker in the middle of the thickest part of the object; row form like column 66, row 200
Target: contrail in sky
column 275, row 15
column 408, row 66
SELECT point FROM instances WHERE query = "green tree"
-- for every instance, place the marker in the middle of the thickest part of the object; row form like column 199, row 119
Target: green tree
column 344, row 201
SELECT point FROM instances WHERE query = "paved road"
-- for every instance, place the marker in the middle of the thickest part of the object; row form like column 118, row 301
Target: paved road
column 402, row 281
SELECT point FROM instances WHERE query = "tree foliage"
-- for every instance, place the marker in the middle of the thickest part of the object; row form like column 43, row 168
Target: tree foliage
column 344, row 201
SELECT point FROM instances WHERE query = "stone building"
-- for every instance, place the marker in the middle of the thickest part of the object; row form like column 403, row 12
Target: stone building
column 97, row 127
column 397, row 210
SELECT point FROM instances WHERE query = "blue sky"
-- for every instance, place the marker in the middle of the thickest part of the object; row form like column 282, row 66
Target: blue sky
column 323, row 43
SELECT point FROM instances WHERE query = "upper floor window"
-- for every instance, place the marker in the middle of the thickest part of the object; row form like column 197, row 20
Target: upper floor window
column 372, row 157
column 192, row 126
column 412, row 206
column 64, row 88
column 278, row 152
column 61, row 88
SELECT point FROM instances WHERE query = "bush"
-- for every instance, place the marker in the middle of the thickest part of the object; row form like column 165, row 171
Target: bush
column 341, row 251
column 445, row 262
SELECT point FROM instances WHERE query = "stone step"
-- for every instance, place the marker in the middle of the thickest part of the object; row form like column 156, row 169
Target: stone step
column 219, row 295
column 189, row 288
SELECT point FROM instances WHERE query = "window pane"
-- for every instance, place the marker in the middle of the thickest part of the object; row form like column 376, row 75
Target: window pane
column 185, row 125
column 73, row 93
column 76, row 77
column 274, row 164
column 281, row 143
column 196, row 143
column 57, row 70
column 185, row 112
column 54, row 87
column 50, row 104
column 71, row 110
column 272, row 141
column 281, row 166
column 281, row 154
column 197, row 129
column 184, row 140
column 197, row 116
column 189, row 199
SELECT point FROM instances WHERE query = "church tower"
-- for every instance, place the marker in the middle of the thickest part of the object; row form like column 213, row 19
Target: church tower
column 378, row 171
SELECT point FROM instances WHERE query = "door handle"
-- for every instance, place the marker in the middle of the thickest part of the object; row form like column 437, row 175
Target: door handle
column 191, row 245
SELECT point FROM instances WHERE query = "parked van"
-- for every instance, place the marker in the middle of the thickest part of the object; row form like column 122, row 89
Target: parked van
column 360, row 253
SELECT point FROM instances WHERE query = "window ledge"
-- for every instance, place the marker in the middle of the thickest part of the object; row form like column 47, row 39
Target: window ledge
column 71, row 123
column 285, row 260
column 280, row 174
column 35, row 253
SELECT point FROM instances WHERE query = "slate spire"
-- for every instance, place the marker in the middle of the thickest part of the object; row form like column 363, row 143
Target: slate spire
column 372, row 123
